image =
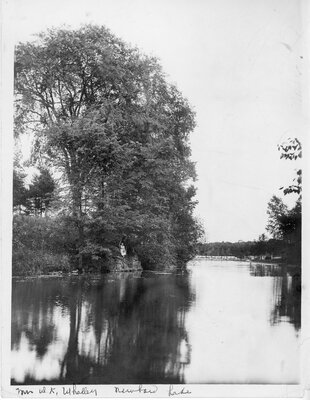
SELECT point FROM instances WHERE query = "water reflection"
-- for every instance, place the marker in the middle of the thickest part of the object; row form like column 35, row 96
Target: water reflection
column 286, row 292
column 207, row 326
column 118, row 330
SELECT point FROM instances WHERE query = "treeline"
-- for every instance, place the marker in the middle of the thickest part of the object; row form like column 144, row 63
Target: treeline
column 107, row 124
column 284, row 225
column 267, row 248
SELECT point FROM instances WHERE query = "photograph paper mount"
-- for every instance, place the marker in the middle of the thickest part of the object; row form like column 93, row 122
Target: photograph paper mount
column 133, row 390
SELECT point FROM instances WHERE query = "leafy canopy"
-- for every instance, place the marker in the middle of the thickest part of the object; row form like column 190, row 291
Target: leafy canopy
column 105, row 115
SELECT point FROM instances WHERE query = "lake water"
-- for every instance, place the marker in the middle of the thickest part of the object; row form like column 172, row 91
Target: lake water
column 223, row 322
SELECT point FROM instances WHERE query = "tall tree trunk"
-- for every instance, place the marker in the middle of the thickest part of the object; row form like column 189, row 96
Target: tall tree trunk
column 78, row 215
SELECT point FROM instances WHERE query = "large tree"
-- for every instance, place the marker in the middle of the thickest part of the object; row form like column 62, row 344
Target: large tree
column 284, row 223
column 276, row 209
column 105, row 115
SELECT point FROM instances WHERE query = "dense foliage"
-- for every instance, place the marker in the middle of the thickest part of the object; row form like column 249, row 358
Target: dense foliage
column 105, row 117
column 284, row 224
column 42, row 245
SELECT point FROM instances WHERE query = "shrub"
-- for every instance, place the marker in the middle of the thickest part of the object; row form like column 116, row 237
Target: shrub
column 42, row 245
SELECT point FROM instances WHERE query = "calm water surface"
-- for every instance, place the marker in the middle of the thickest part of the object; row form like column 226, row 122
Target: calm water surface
column 223, row 322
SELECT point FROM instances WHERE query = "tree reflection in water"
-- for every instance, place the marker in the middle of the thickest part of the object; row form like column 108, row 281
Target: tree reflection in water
column 286, row 292
column 131, row 328
column 32, row 316
column 121, row 329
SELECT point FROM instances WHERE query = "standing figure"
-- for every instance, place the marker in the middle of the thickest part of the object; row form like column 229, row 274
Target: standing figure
column 123, row 250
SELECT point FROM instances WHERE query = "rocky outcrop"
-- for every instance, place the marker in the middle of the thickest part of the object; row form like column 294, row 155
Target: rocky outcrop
column 122, row 264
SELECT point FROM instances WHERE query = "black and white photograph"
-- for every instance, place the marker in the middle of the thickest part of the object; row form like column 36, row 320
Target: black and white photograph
column 154, row 198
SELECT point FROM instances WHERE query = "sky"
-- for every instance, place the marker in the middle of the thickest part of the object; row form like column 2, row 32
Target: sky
column 241, row 66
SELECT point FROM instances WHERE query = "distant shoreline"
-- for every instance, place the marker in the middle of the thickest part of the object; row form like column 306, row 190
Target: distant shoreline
column 268, row 262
